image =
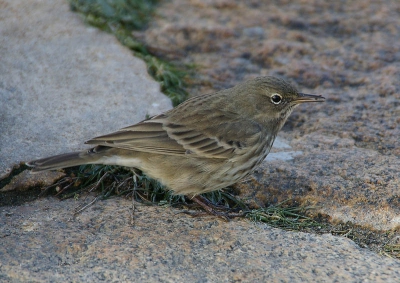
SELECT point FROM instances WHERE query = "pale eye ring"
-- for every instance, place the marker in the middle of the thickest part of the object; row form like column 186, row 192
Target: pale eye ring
column 276, row 98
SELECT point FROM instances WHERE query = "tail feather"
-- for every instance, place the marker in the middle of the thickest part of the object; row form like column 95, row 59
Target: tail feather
column 62, row 161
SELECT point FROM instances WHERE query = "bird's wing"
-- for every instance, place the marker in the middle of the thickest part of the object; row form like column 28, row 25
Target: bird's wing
column 223, row 137
column 148, row 135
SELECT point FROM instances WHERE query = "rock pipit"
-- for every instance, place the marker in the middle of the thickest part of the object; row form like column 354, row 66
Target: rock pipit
column 206, row 143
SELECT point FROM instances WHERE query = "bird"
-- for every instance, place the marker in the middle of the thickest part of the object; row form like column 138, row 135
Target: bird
column 204, row 144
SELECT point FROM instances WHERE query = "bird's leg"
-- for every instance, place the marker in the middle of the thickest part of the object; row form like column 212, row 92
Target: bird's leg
column 201, row 201
column 212, row 209
column 208, row 203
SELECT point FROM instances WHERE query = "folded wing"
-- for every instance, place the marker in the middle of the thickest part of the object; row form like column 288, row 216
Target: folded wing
column 165, row 135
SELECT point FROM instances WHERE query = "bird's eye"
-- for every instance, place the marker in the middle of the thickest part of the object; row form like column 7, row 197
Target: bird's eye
column 276, row 98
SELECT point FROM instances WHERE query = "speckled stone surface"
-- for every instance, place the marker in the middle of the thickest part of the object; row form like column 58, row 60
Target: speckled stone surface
column 63, row 82
column 41, row 241
column 345, row 51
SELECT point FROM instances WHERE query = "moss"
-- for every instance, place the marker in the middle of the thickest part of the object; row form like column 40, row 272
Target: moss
column 131, row 14
column 285, row 216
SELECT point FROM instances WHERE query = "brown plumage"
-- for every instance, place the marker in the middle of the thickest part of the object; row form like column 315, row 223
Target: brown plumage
column 204, row 144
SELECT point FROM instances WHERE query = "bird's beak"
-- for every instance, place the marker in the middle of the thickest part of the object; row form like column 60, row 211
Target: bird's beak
column 308, row 98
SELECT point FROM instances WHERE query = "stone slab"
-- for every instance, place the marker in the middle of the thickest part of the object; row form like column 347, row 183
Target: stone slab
column 42, row 241
column 63, row 82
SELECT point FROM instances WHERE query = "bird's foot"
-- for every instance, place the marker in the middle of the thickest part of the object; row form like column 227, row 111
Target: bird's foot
column 212, row 209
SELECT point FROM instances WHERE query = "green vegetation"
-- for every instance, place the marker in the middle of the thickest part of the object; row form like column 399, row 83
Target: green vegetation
column 284, row 216
column 391, row 250
column 131, row 14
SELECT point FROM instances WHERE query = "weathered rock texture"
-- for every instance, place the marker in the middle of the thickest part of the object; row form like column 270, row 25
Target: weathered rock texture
column 62, row 82
column 346, row 51
column 42, row 242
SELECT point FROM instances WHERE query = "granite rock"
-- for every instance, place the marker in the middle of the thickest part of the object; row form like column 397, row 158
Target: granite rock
column 63, row 82
column 42, row 241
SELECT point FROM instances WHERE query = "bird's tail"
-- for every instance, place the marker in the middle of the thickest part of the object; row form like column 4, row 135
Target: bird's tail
column 63, row 161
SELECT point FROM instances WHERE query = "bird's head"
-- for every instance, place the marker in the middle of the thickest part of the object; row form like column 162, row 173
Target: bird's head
column 274, row 99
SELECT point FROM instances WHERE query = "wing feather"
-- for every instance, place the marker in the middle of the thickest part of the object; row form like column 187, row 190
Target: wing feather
column 227, row 136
